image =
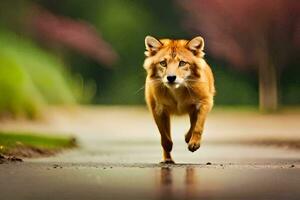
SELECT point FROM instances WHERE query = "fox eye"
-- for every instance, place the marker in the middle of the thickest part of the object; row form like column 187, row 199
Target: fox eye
column 182, row 63
column 163, row 63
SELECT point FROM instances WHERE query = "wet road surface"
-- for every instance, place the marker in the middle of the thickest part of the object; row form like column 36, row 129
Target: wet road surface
column 130, row 171
column 148, row 182
column 121, row 163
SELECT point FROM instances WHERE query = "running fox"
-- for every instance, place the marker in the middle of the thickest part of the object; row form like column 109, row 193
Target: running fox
column 179, row 81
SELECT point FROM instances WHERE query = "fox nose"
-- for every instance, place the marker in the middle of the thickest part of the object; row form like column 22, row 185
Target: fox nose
column 171, row 79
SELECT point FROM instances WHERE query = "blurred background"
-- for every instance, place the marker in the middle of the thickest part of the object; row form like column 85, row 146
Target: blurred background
column 71, row 75
column 69, row 52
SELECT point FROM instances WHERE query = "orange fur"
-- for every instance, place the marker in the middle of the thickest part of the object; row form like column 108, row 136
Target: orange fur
column 191, row 93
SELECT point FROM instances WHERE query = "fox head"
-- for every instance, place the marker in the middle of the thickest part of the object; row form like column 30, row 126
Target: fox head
column 174, row 63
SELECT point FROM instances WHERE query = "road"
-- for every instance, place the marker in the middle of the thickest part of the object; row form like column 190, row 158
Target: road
column 119, row 152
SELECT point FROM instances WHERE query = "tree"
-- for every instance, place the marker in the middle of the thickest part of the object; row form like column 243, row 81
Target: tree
column 254, row 34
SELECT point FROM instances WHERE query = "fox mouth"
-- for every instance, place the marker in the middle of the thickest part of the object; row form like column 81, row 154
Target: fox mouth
column 172, row 85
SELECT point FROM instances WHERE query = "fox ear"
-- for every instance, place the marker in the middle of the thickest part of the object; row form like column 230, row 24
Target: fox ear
column 152, row 45
column 196, row 45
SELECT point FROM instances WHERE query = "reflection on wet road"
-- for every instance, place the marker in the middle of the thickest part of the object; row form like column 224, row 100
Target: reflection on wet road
column 167, row 184
column 207, row 183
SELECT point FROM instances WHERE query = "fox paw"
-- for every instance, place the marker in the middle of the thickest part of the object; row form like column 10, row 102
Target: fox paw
column 193, row 146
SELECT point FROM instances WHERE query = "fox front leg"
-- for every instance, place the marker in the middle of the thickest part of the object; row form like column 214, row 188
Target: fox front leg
column 162, row 120
column 197, row 119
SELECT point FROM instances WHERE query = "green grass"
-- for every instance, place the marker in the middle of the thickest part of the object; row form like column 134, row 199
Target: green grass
column 9, row 140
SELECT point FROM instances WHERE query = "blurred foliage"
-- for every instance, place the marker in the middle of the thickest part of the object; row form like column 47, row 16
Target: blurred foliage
column 30, row 77
column 36, row 77
column 239, row 90
column 290, row 84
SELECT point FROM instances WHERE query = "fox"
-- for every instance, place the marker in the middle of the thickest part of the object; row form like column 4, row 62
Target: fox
column 179, row 81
